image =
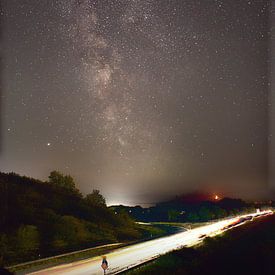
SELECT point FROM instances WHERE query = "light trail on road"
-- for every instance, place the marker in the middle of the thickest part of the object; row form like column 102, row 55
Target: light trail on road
column 124, row 258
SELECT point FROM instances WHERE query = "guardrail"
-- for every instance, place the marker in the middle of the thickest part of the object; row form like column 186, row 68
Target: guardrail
column 62, row 255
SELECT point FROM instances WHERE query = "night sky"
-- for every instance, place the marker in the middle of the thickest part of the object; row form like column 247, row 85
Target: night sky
column 142, row 99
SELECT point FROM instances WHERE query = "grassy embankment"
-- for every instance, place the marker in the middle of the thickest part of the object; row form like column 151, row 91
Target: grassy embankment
column 62, row 259
column 149, row 232
column 187, row 225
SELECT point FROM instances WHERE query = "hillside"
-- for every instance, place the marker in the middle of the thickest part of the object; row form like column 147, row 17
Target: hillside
column 39, row 219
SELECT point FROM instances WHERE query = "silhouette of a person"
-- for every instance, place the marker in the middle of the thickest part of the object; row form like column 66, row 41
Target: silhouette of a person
column 104, row 264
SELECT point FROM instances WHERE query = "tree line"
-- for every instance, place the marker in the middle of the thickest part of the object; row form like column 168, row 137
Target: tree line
column 44, row 218
column 178, row 210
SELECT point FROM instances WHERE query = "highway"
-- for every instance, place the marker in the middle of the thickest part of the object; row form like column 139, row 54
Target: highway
column 123, row 258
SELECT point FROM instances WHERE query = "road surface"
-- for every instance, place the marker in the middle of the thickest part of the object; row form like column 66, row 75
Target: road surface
column 123, row 258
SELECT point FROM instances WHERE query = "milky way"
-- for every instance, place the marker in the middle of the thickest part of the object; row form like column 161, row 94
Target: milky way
column 141, row 99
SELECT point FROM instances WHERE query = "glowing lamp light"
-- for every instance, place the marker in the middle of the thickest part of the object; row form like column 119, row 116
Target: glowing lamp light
column 216, row 197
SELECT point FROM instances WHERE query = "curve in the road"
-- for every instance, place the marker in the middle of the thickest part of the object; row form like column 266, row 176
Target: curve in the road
column 128, row 257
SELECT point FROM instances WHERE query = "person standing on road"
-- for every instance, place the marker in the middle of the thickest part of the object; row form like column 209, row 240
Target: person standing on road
column 104, row 264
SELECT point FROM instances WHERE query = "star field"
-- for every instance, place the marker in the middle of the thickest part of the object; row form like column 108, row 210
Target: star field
column 139, row 98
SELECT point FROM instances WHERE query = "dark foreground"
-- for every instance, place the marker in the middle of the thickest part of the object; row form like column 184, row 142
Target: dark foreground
column 249, row 249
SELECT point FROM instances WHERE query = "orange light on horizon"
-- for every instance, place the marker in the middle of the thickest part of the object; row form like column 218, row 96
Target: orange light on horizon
column 216, row 197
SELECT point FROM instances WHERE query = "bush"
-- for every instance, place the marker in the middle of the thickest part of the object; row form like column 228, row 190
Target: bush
column 27, row 240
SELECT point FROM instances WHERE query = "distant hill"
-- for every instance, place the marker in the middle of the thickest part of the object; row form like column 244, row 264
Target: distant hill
column 194, row 207
column 193, row 198
column 46, row 218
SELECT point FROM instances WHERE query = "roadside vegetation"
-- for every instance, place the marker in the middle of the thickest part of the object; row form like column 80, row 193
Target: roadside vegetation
column 32, row 266
column 248, row 249
column 41, row 219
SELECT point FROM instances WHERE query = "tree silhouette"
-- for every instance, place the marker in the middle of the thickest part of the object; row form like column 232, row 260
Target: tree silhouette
column 96, row 199
column 65, row 181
